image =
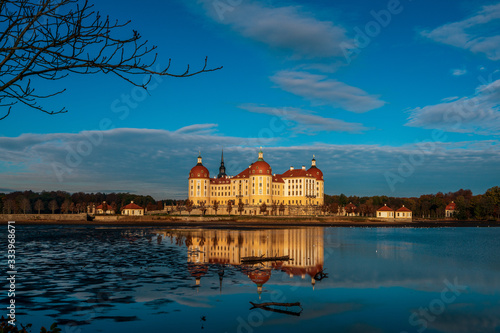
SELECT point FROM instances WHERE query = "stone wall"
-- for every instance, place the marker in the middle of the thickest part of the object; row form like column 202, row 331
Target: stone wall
column 43, row 217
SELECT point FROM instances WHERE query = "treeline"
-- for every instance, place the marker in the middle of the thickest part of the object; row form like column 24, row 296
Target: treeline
column 478, row 207
column 56, row 202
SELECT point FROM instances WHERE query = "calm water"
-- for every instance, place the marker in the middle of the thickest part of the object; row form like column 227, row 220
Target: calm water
column 113, row 279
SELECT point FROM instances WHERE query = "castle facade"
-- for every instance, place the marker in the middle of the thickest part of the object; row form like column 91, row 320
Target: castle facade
column 256, row 185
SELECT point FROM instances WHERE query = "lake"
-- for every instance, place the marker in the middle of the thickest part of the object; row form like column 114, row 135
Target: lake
column 156, row 279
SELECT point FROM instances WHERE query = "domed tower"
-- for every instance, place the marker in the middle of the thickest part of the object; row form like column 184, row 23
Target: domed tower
column 260, row 178
column 199, row 183
column 320, row 183
column 260, row 277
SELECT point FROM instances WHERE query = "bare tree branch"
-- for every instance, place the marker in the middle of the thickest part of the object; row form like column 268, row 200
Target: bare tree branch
column 49, row 39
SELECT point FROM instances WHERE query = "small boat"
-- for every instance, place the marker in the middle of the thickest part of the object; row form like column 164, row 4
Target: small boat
column 262, row 259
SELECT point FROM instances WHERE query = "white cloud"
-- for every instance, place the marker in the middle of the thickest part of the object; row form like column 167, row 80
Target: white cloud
column 458, row 72
column 320, row 89
column 306, row 122
column 478, row 33
column 287, row 28
column 157, row 162
column 478, row 114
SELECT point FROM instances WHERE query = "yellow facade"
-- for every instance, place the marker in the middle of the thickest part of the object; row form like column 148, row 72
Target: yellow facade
column 258, row 185
column 227, row 247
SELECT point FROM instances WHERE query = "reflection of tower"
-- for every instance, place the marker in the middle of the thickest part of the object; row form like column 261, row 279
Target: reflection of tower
column 224, row 248
column 259, row 277
column 197, row 271
column 221, row 277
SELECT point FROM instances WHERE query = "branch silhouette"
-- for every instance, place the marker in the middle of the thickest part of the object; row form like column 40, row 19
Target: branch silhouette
column 50, row 39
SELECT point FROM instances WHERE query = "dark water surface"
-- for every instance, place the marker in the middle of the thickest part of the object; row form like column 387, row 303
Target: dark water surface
column 128, row 279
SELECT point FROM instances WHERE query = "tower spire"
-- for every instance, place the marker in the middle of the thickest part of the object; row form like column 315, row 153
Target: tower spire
column 261, row 155
column 222, row 168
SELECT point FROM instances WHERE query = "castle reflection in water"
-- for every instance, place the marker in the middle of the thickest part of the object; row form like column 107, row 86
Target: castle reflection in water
column 223, row 249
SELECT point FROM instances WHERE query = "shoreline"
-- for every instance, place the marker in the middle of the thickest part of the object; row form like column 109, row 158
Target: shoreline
column 262, row 222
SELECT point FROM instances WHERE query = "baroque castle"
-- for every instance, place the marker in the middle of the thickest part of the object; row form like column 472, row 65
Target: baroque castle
column 256, row 185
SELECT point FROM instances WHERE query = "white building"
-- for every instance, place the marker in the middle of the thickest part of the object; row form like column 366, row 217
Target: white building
column 385, row 212
column 132, row 209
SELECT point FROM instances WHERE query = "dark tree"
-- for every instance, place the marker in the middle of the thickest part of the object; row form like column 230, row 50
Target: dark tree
column 241, row 207
column 189, row 206
column 179, row 208
column 25, row 205
column 48, row 40
column 324, row 208
column 274, row 208
column 203, row 208
column 229, row 207
column 263, row 208
column 216, row 206
column 53, row 206
column 39, row 205
column 282, row 208
column 334, row 208
column 65, row 206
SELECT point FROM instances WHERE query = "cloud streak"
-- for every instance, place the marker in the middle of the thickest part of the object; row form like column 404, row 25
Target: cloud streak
column 157, row 162
column 287, row 28
column 479, row 114
column 478, row 33
column 324, row 91
column 305, row 121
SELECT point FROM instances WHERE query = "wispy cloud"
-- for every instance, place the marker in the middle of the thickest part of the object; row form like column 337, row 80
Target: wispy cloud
column 479, row 114
column 305, row 121
column 478, row 33
column 157, row 162
column 324, row 91
column 286, row 28
column 458, row 72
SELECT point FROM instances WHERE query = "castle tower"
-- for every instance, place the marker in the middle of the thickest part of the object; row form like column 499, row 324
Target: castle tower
column 222, row 168
column 319, row 190
column 260, row 186
column 199, row 183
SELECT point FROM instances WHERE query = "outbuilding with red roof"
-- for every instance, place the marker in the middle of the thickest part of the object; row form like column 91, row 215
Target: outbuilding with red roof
column 385, row 212
column 132, row 209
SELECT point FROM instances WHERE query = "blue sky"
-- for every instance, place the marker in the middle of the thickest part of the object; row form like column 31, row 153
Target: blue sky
column 398, row 98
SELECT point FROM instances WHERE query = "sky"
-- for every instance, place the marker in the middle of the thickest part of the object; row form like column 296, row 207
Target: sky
column 397, row 98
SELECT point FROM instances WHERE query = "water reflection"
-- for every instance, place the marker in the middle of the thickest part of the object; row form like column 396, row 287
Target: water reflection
column 128, row 279
column 224, row 249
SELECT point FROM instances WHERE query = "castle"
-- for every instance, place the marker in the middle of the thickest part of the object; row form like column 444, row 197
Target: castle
column 257, row 185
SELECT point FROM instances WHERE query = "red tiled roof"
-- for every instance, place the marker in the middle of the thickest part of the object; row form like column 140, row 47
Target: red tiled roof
column 403, row 209
column 132, row 206
column 385, row 209
column 278, row 179
column 451, row 206
column 350, row 205
column 108, row 207
column 296, row 173
column 244, row 174
column 199, row 171
column 260, row 168
column 316, row 172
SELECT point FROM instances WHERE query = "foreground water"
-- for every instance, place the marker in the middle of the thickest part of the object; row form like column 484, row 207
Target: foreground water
column 123, row 279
